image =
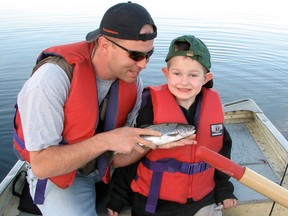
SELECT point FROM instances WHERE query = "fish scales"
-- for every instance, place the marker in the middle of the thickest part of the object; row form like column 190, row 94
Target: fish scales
column 171, row 132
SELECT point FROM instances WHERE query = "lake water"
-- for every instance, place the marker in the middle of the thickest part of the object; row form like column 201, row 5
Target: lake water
column 249, row 57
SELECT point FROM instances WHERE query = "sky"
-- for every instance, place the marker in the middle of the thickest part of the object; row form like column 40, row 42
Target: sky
column 275, row 8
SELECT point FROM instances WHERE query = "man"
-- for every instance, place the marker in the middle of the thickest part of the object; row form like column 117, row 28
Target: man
column 64, row 122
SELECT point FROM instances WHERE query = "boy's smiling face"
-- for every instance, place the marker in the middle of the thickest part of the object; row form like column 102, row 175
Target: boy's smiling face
column 185, row 78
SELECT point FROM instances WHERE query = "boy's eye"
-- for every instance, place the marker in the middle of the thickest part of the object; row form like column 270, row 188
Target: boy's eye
column 193, row 75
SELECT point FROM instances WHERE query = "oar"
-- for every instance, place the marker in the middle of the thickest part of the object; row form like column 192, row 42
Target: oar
column 245, row 176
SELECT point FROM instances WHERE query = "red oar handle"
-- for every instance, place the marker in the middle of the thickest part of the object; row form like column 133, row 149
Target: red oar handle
column 220, row 162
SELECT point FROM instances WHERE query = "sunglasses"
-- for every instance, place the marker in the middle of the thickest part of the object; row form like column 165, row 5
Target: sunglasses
column 134, row 55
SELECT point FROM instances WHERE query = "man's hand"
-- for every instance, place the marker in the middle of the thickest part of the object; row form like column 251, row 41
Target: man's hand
column 126, row 139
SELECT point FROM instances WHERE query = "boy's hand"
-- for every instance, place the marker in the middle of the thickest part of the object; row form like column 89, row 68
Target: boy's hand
column 228, row 203
column 111, row 212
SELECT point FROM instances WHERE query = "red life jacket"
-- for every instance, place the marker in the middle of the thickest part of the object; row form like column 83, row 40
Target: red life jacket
column 81, row 108
column 175, row 185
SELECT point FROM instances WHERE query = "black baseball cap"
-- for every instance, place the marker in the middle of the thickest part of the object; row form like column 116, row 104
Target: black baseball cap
column 124, row 21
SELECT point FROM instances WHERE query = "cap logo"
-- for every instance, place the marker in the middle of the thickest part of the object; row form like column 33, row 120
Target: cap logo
column 110, row 31
column 190, row 53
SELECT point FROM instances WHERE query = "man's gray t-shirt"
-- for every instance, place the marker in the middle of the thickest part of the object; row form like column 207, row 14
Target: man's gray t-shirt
column 41, row 103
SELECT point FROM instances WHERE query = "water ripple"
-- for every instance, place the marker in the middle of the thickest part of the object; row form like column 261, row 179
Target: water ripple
column 249, row 58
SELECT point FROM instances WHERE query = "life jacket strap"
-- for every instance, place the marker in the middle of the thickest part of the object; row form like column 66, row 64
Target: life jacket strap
column 172, row 165
column 166, row 165
column 102, row 165
column 104, row 161
column 154, row 190
column 40, row 191
column 18, row 140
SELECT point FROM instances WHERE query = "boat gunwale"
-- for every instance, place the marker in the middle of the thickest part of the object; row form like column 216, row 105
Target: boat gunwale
column 248, row 104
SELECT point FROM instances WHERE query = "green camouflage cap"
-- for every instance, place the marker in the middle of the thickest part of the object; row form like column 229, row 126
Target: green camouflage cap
column 194, row 48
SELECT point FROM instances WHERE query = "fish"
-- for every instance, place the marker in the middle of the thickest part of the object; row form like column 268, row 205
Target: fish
column 171, row 132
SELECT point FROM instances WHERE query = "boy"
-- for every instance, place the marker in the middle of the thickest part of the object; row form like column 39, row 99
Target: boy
column 174, row 181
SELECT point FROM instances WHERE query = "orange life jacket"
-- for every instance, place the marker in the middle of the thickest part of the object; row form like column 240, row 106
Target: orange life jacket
column 179, row 184
column 81, row 108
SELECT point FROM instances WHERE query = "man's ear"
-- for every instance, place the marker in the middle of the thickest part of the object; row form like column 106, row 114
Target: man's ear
column 165, row 71
column 208, row 77
column 103, row 43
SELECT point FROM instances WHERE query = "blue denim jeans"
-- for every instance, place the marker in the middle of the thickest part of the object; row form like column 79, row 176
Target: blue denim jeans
column 78, row 199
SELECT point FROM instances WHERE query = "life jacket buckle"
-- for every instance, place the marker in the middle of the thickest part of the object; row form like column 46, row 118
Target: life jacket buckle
column 172, row 165
column 194, row 168
column 191, row 169
column 171, row 169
